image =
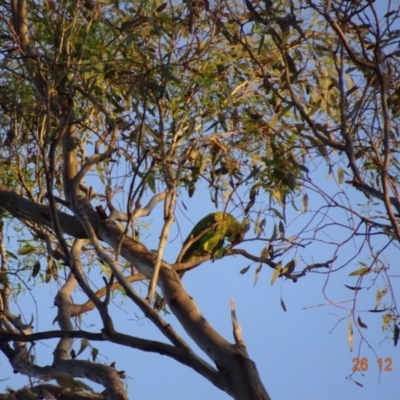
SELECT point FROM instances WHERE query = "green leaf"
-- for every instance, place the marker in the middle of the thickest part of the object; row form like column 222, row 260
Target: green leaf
column 152, row 182
column 162, row 7
column 340, row 175
column 361, row 324
column 361, row 271
column 261, row 44
column 51, row 270
column 354, row 287
column 264, row 254
column 396, row 333
column 390, row 13
column 82, row 385
column 277, row 213
column 386, row 320
column 4, row 279
column 100, row 173
column 350, row 336
column 379, row 295
column 84, row 345
column 26, row 250
column 49, row 274
column 289, row 267
column 274, row 234
column 244, row 270
column 273, row 121
column 106, row 269
column 66, row 381
column 259, row 227
column 94, row 353
column 281, row 230
column 256, row 274
column 12, row 255
column 283, row 305
column 35, row 269
column 305, row 202
column 276, row 273
column 304, row 168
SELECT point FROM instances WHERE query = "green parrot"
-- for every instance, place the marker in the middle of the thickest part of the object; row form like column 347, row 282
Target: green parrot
column 209, row 235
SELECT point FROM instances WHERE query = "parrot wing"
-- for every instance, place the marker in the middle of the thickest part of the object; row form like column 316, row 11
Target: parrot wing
column 209, row 233
column 202, row 237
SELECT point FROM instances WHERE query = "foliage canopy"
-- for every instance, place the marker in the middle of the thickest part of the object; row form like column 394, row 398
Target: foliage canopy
column 149, row 105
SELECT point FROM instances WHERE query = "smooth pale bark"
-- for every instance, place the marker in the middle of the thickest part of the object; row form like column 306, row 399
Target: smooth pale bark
column 238, row 371
column 236, row 374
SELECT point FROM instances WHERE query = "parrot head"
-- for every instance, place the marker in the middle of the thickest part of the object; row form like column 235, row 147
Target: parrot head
column 236, row 231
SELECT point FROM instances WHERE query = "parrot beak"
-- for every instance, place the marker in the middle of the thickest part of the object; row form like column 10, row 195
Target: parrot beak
column 236, row 241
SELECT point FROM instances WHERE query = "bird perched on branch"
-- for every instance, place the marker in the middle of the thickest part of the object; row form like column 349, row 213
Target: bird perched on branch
column 207, row 237
column 209, row 234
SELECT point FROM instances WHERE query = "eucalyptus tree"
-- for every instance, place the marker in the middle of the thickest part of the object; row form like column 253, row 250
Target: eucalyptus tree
column 112, row 111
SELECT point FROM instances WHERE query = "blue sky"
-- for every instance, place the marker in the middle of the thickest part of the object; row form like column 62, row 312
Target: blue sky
column 302, row 353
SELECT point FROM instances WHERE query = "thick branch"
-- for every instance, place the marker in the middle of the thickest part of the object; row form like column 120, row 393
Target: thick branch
column 370, row 191
column 241, row 379
column 152, row 346
column 21, row 208
column 20, row 24
column 47, row 391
